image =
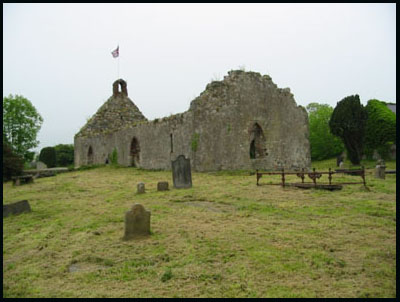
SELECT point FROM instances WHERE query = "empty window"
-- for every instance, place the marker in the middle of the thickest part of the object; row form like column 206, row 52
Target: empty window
column 257, row 142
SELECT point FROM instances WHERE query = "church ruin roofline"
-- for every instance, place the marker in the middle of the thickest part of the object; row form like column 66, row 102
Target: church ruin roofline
column 114, row 114
column 212, row 91
column 243, row 121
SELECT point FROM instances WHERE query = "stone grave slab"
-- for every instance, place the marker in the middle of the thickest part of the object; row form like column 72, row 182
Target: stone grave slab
column 16, row 208
column 137, row 222
column 162, row 186
column 181, row 172
column 140, row 188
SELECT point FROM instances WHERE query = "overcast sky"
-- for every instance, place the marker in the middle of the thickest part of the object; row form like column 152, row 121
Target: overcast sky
column 59, row 55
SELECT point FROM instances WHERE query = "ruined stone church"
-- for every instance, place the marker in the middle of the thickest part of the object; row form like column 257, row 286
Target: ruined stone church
column 242, row 122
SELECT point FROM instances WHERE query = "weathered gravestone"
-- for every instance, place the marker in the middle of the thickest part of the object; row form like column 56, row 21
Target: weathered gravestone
column 137, row 222
column 140, row 188
column 339, row 159
column 16, row 208
column 181, row 172
column 41, row 165
column 162, row 186
column 380, row 169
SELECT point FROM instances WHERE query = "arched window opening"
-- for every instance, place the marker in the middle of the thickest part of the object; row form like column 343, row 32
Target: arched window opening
column 135, row 152
column 252, row 149
column 90, row 156
column 257, row 142
column 119, row 87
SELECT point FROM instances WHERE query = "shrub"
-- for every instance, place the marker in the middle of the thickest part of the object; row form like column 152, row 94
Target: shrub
column 195, row 141
column 323, row 144
column 348, row 122
column 380, row 129
column 114, row 157
column 64, row 155
column 167, row 275
column 48, row 156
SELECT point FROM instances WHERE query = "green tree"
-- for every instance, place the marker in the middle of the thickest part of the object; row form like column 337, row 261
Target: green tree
column 323, row 144
column 64, row 155
column 380, row 131
column 21, row 124
column 48, row 156
column 348, row 122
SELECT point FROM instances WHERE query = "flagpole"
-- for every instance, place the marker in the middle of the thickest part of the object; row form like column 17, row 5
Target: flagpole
column 118, row 62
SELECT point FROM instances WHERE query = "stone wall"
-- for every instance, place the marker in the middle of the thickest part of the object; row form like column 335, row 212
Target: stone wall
column 242, row 122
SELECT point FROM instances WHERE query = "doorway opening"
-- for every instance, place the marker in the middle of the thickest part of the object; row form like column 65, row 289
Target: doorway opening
column 135, row 152
column 90, row 156
column 257, row 142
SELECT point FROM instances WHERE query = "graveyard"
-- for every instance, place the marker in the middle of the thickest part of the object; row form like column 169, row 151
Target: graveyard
column 224, row 236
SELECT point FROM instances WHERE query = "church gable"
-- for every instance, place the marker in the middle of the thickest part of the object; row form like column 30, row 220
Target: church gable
column 116, row 113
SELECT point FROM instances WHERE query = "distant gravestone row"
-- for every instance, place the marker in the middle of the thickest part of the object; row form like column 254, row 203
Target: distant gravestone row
column 161, row 186
column 137, row 220
column 181, row 175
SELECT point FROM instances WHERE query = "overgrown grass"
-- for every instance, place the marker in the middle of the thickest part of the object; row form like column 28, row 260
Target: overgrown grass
column 224, row 237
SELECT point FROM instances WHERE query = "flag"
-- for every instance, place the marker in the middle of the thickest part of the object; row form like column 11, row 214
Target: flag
column 115, row 53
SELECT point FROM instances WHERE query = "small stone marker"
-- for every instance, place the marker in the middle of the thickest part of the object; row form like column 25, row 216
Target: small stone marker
column 137, row 222
column 380, row 169
column 140, row 188
column 181, row 172
column 16, row 208
column 162, row 186
column 339, row 159
column 41, row 165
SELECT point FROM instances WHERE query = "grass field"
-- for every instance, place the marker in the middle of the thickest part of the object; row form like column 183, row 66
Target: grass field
column 224, row 237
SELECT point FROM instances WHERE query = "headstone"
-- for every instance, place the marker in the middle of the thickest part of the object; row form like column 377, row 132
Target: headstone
column 140, row 188
column 380, row 169
column 16, row 208
column 181, row 172
column 162, row 186
column 40, row 165
column 339, row 159
column 137, row 222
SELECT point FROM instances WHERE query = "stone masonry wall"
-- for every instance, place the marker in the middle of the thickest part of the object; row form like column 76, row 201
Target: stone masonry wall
column 223, row 124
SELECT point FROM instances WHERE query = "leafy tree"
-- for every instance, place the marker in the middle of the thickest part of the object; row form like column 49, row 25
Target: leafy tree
column 12, row 163
column 323, row 144
column 348, row 122
column 380, row 129
column 64, row 155
column 21, row 123
column 48, row 156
